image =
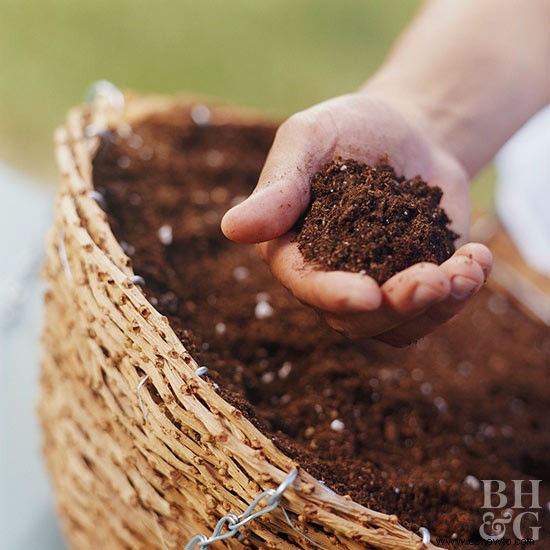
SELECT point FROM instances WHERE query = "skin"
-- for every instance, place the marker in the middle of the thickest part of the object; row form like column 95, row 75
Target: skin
column 439, row 112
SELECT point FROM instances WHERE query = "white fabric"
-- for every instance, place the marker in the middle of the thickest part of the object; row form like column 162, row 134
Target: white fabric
column 523, row 192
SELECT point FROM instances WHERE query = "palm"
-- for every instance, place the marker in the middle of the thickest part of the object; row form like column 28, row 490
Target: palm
column 366, row 129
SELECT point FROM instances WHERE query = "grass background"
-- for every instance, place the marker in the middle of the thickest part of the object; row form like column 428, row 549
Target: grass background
column 277, row 55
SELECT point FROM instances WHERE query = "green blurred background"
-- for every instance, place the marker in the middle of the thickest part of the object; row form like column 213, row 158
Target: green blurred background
column 277, row 55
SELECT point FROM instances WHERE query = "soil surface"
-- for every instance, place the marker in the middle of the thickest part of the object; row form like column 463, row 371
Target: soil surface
column 368, row 220
column 405, row 431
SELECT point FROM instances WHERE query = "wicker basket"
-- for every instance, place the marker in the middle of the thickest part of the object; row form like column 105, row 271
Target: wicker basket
column 131, row 471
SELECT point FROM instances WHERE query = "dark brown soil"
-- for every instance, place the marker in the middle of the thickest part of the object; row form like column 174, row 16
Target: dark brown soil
column 368, row 220
column 398, row 430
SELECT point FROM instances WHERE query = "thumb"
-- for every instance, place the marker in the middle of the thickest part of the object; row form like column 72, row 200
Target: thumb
column 283, row 190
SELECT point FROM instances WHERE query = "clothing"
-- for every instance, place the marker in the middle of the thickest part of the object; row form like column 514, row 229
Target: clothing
column 523, row 192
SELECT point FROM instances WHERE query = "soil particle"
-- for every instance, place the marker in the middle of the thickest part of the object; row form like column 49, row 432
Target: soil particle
column 367, row 220
column 465, row 403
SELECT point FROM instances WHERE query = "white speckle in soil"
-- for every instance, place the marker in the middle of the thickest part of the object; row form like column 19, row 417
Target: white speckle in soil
column 201, row 115
column 309, row 432
column 146, row 153
column 135, row 141
column 124, row 130
column 417, row 374
column 343, row 168
column 465, row 368
column 135, row 199
column 507, row 431
column 426, row 388
column 472, row 482
column 165, row 234
column 263, row 310
column 337, row 425
column 285, row 369
column 212, row 217
column 123, row 162
column 285, row 399
column 517, row 405
column 220, row 328
column 213, row 158
column 240, row 273
column 268, row 377
column 441, row 404
column 219, row 195
column 489, row 431
column 128, row 248
column 200, row 197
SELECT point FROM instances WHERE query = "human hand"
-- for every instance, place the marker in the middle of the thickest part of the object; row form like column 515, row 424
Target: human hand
column 365, row 127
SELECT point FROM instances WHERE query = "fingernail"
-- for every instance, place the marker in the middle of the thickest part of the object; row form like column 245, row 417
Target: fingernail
column 462, row 287
column 424, row 295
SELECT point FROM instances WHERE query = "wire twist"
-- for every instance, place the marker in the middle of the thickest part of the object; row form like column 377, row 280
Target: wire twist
column 229, row 525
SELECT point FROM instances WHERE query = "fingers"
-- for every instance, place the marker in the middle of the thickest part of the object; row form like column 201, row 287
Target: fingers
column 351, row 303
column 282, row 193
column 478, row 253
column 408, row 306
column 327, row 291
column 467, row 270
column 406, row 295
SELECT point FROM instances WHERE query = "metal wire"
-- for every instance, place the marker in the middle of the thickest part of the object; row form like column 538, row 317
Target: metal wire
column 229, row 525
column 97, row 197
column 201, row 371
column 287, row 517
column 137, row 280
column 426, row 537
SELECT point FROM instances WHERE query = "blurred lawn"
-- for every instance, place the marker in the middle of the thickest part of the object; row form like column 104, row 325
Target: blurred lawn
column 278, row 55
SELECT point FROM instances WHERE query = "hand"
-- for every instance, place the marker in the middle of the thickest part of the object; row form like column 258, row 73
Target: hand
column 364, row 127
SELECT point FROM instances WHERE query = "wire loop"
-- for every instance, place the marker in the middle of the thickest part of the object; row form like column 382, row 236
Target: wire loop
column 229, row 525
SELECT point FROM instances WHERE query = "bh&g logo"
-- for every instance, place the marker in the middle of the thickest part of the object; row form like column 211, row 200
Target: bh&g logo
column 493, row 527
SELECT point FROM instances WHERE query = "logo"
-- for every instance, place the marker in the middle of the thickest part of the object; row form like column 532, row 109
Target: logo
column 495, row 524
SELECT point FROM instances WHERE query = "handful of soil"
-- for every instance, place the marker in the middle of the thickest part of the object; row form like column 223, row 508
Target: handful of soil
column 368, row 220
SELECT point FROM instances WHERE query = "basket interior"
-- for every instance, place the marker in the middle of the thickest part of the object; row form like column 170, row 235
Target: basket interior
column 401, row 431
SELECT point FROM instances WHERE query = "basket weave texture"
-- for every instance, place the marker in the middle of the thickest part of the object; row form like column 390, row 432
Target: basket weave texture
column 123, row 481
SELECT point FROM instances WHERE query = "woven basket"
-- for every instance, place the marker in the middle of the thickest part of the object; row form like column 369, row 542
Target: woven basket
column 125, row 482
